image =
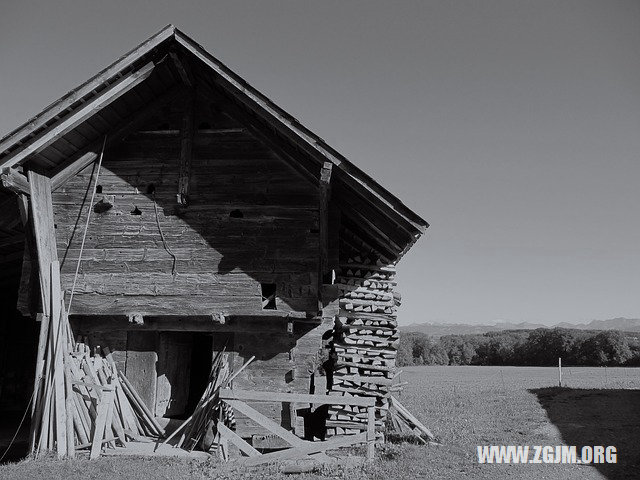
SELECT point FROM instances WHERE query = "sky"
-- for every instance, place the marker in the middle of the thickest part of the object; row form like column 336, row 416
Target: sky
column 511, row 126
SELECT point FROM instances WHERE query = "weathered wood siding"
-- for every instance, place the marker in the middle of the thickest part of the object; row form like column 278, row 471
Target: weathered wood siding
column 220, row 260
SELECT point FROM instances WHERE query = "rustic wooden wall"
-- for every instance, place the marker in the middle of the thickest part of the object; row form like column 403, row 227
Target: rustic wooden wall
column 221, row 260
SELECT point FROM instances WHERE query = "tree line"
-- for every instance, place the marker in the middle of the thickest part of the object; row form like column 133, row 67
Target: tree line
column 540, row 347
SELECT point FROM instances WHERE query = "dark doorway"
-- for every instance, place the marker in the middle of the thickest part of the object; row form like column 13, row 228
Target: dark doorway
column 201, row 356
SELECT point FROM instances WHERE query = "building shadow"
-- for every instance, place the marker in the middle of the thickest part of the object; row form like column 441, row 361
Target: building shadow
column 597, row 417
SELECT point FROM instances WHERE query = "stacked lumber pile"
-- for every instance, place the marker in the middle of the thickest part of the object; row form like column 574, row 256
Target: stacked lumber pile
column 81, row 400
column 365, row 340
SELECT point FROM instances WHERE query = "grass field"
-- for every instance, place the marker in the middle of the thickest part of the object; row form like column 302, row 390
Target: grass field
column 464, row 407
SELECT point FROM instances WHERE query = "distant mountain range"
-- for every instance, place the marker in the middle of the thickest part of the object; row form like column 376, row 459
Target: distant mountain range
column 438, row 329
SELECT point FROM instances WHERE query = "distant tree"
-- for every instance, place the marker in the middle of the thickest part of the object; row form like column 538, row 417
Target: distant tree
column 605, row 348
column 459, row 349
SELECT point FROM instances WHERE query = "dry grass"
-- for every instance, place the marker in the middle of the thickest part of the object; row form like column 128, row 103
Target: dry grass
column 464, row 407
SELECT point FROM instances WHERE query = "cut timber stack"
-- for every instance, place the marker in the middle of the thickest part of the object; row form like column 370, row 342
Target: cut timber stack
column 81, row 401
column 365, row 340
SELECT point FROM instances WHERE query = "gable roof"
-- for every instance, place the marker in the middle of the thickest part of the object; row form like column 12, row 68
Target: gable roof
column 67, row 135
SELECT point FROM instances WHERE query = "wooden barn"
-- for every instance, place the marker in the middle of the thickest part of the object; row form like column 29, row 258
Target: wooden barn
column 184, row 214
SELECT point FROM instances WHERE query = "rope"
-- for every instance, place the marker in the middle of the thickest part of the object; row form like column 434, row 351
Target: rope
column 19, row 426
column 86, row 226
column 164, row 242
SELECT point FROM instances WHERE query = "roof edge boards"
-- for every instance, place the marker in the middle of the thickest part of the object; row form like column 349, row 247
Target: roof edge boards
column 301, row 134
column 51, row 111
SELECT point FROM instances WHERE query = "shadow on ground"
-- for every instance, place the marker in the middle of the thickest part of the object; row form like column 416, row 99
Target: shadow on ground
column 597, row 417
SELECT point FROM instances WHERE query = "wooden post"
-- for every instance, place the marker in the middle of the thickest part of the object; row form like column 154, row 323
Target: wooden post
column 371, row 433
column 45, row 246
column 186, row 146
column 559, row 371
column 323, row 227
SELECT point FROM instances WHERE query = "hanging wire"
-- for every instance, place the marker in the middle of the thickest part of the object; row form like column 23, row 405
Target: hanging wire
column 26, row 410
column 164, row 242
column 86, row 226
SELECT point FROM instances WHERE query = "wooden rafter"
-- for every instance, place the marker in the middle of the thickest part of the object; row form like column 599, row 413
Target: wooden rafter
column 107, row 96
column 134, row 121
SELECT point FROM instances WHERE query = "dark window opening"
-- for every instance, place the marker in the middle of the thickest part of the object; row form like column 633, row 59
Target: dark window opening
column 268, row 296
column 136, row 211
column 236, row 214
column 204, row 126
column 151, row 189
column 164, row 126
column 99, row 189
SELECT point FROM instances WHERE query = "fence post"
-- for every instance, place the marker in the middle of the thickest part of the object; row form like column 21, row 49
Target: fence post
column 559, row 371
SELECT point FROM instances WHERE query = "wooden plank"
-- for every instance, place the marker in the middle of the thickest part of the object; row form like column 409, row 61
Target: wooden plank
column 405, row 413
column 237, row 441
column 101, row 420
column 267, row 423
column 37, row 407
column 140, row 369
column 57, row 336
column 228, row 394
column 307, row 449
column 69, row 407
column 371, row 433
column 91, row 107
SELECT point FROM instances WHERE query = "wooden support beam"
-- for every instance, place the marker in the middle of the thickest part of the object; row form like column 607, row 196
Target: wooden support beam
column 324, row 187
column 130, row 124
column 44, row 232
column 267, row 423
column 263, row 133
column 307, row 449
column 234, row 438
column 186, row 147
column 325, row 195
column 183, row 69
column 66, row 124
column 229, row 394
column 13, row 180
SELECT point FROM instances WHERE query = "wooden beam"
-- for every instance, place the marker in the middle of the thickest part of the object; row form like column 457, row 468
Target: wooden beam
column 134, row 121
column 60, row 106
column 66, row 124
column 44, row 232
column 183, row 69
column 303, row 451
column 267, row 423
column 234, row 438
column 181, row 323
column 14, row 181
column 325, row 195
column 229, row 394
column 186, row 146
